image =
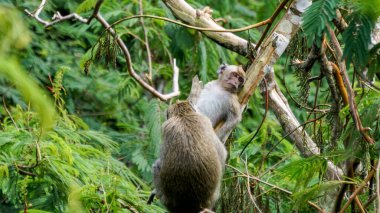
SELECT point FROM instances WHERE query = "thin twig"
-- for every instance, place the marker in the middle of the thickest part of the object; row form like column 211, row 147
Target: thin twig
column 21, row 171
column 351, row 94
column 132, row 72
column 339, row 82
column 357, row 201
column 149, row 55
column 309, row 109
column 370, row 200
column 359, row 189
column 274, row 186
column 249, row 188
column 9, row 113
column 264, row 117
column 291, row 132
column 57, row 17
column 191, row 26
column 339, row 21
column 96, row 10
column 270, row 22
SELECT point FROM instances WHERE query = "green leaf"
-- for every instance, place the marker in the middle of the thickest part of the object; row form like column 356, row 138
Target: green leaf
column 203, row 61
column 317, row 17
column 374, row 61
column 13, row 33
column 357, row 37
column 86, row 6
column 30, row 90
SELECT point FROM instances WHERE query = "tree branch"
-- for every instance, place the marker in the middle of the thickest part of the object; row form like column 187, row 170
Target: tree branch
column 273, row 47
column 351, row 94
column 149, row 55
column 57, row 18
column 132, row 72
column 339, row 21
column 183, row 11
column 359, row 189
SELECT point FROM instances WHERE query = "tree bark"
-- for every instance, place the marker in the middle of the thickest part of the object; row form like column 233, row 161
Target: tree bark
column 183, row 11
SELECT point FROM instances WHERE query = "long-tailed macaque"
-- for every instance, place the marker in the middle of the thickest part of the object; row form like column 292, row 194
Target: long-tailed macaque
column 188, row 174
column 218, row 100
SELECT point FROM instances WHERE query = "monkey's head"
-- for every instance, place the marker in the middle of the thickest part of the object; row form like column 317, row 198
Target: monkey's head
column 232, row 77
column 180, row 109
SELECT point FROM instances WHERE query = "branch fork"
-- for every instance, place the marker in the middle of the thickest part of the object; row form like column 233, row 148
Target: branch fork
column 57, row 17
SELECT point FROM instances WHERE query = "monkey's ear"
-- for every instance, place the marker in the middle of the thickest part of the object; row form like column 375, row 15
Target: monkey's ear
column 222, row 67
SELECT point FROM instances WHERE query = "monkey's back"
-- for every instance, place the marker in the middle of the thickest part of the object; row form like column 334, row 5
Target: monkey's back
column 189, row 184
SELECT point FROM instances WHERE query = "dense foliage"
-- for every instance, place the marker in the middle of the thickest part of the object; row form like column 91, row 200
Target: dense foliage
column 79, row 134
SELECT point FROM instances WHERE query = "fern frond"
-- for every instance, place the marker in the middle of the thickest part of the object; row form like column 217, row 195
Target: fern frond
column 303, row 171
column 316, row 17
column 374, row 62
column 301, row 198
column 86, row 6
column 357, row 37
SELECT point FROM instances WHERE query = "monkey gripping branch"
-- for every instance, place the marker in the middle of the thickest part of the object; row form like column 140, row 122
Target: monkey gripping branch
column 267, row 54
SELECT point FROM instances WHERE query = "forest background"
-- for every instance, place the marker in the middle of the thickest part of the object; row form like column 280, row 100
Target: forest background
column 80, row 120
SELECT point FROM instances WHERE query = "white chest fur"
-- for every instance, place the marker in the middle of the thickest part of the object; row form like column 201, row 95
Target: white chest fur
column 213, row 102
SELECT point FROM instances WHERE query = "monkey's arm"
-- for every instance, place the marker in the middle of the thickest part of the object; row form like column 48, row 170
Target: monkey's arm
column 232, row 119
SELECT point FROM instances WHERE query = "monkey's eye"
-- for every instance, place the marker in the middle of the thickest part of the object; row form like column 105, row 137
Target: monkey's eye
column 241, row 80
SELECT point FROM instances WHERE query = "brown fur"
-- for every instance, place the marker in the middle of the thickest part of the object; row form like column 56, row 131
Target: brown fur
column 188, row 173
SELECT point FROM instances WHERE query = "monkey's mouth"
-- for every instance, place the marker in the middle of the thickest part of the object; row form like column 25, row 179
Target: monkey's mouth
column 234, row 85
column 233, row 88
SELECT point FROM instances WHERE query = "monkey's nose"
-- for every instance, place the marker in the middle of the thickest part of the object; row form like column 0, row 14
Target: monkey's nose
column 236, row 85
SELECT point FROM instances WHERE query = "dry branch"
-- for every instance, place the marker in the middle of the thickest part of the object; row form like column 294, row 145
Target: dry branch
column 358, row 190
column 183, row 11
column 57, row 18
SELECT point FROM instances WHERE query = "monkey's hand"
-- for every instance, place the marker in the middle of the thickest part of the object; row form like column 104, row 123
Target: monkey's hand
column 151, row 197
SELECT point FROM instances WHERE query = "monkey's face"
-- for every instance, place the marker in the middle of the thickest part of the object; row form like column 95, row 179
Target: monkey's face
column 233, row 78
